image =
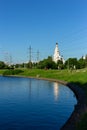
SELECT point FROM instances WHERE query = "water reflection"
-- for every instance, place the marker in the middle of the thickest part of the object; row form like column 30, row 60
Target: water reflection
column 56, row 90
column 30, row 88
column 30, row 104
column 39, row 87
column 33, row 88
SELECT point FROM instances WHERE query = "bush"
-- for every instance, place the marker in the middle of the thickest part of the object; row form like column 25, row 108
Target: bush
column 12, row 72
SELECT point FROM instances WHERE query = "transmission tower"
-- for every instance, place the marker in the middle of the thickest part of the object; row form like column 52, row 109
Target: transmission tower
column 38, row 56
column 30, row 54
column 30, row 64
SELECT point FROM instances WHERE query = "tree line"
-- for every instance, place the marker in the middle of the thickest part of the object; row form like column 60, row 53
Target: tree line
column 71, row 63
column 48, row 63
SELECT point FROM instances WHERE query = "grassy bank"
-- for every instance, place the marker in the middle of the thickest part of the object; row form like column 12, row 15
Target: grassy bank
column 78, row 77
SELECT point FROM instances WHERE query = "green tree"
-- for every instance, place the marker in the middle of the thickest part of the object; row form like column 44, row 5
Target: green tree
column 71, row 63
column 81, row 63
column 2, row 65
column 47, row 64
column 60, row 64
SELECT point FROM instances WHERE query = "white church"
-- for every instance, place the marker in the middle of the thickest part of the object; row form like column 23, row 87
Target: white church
column 57, row 56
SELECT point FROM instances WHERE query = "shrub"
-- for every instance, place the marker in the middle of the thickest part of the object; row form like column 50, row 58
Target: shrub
column 12, row 72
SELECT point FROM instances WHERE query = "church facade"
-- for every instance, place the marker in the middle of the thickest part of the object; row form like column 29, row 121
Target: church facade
column 57, row 57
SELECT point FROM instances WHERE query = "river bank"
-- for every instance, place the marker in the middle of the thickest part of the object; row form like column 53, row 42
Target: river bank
column 80, row 107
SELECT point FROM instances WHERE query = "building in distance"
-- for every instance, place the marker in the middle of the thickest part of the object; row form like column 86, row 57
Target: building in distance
column 57, row 57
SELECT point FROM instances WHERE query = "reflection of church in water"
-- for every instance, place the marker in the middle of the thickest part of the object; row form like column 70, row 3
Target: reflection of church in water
column 57, row 57
column 56, row 90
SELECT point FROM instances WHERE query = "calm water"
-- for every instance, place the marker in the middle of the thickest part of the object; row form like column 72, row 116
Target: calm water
column 31, row 104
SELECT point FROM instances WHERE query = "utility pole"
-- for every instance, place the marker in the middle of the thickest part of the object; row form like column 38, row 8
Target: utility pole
column 10, row 60
column 7, row 58
column 30, row 54
column 38, row 56
column 30, row 57
column 68, row 64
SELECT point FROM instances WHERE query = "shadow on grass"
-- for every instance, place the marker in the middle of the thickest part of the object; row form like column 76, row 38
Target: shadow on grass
column 82, row 124
column 80, row 90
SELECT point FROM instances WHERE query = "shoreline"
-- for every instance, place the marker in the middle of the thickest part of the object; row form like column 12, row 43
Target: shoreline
column 79, row 109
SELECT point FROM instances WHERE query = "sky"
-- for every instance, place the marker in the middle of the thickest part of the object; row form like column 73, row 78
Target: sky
column 39, row 24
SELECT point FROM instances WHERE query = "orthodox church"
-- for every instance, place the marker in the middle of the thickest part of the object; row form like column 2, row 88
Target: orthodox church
column 57, row 56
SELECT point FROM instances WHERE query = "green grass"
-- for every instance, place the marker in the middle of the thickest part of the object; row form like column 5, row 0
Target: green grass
column 76, row 76
column 82, row 125
column 1, row 71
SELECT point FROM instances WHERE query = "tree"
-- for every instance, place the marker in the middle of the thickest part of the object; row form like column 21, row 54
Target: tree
column 60, row 64
column 47, row 64
column 2, row 65
column 81, row 63
column 71, row 63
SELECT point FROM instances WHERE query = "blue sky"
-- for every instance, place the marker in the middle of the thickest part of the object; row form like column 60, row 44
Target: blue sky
column 40, row 24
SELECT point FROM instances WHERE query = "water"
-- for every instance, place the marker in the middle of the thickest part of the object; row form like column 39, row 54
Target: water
column 31, row 104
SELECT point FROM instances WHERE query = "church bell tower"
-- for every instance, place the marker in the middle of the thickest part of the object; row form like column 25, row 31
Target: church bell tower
column 56, row 55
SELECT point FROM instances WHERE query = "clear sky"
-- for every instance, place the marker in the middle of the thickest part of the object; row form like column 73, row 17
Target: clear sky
column 40, row 24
